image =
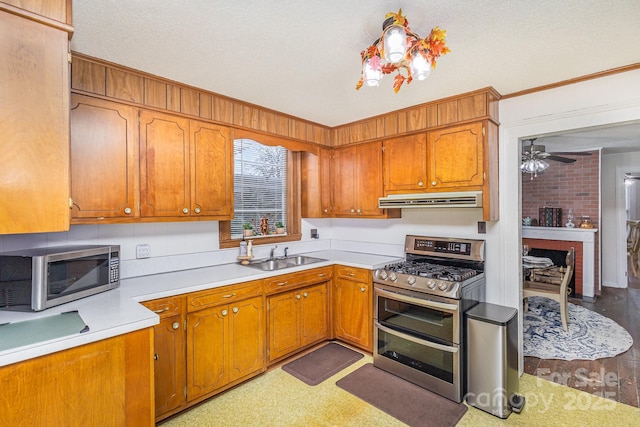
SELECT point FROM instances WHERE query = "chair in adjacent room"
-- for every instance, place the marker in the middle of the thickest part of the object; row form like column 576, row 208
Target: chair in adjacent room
column 557, row 292
column 633, row 246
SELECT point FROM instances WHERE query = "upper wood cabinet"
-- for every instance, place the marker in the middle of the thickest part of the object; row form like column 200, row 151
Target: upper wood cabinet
column 357, row 181
column 104, row 159
column 185, row 167
column 456, row 157
column 316, row 195
column 34, row 135
column 405, row 164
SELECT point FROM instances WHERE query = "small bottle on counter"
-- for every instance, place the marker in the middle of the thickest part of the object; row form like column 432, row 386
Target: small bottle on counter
column 250, row 248
column 243, row 248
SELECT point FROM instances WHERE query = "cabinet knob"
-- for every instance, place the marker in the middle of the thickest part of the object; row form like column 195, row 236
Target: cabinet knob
column 298, row 296
column 305, row 294
column 362, row 289
column 420, row 183
column 127, row 210
column 224, row 312
column 235, row 309
column 433, row 183
column 325, row 210
column 353, row 210
column 197, row 210
column 155, row 356
column 185, row 210
column 359, row 211
column 175, row 325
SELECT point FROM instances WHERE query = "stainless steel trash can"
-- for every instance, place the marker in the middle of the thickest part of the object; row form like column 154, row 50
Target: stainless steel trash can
column 492, row 359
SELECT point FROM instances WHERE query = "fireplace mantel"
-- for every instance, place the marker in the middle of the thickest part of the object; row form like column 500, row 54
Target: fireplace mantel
column 584, row 235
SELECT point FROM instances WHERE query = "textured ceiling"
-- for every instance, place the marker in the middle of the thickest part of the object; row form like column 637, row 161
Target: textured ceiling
column 303, row 57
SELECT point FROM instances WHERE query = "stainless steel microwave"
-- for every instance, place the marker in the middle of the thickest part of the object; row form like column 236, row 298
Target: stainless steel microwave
column 37, row 279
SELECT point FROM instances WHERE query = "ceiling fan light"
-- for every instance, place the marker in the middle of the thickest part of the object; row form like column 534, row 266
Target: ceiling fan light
column 541, row 165
column 395, row 43
column 372, row 76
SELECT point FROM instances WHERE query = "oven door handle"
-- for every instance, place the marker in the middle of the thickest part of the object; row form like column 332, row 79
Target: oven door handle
column 431, row 344
column 452, row 308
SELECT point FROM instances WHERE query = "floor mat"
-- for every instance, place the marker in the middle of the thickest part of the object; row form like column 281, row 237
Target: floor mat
column 322, row 363
column 401, row 399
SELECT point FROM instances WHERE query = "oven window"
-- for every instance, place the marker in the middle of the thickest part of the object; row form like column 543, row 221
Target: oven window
column 434, row 362
column 416, row 320
column 75, row 275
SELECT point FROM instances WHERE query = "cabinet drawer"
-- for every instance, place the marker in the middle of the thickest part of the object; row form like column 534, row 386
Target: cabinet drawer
column 296, row 280
column 223, row 295
column 357, row 274
column 165, row 307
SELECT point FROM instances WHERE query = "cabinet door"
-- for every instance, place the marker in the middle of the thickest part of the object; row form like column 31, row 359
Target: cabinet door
column 207, row 351
column 344, row 181
column 405, row 164
column 34, row 126
column 164, row 165
column 326, row 198
column 353, row 312
column 247, row 333
column 169, row 365
column 313, row 314
column 284, row 337
column 104, row 159
column 211, row 170
column 456, row 157
column 369, row 179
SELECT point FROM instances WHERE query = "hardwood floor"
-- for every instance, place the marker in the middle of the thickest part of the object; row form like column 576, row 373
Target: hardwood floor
column 616, row 378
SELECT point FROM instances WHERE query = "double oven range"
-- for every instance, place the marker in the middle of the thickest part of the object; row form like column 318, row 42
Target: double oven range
column 419, row 311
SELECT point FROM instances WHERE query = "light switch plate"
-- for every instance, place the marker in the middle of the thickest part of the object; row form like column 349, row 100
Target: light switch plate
column 143, row 251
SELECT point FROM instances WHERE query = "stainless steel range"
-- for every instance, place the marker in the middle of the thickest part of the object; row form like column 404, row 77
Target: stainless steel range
column 419, row 308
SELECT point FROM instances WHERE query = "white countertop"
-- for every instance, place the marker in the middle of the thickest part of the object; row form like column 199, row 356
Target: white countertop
column 118, row 311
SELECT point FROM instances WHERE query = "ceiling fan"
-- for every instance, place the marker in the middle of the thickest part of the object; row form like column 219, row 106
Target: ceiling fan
column 534, row 158
column 538, row 152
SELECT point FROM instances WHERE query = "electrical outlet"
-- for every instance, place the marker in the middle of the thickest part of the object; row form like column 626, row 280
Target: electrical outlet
column 482, row 227
column 143, row 251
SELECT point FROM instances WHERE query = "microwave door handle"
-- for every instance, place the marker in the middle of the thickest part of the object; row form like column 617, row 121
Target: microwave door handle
column 431, row 344
column 424, row 303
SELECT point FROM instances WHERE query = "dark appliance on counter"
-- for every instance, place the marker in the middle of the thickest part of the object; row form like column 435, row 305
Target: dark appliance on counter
column 419, row 309
column 37, row 279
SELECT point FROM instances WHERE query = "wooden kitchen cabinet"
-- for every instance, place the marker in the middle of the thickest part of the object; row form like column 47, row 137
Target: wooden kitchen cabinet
column 405, row 164
column 357, row 182
column 298, row 311
column 316, row 195
column 104, row 159
column 456, row 158
column 186, row 167
column 34, row 112
column 225, row 338
column 353, row 306
column 170, row 368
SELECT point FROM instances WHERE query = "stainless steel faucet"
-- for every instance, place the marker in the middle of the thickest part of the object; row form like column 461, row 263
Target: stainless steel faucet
column 286, row 252
column 273, row 250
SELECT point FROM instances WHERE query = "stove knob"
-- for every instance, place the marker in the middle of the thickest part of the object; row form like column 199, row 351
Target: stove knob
column 393, row 277
column 411, row 280
column 431, row 284
column 382, row 274
column 443, row 286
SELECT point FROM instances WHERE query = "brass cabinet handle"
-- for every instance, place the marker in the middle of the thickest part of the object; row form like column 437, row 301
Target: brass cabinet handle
column 162, row 310
column 282, row 283
column 229, row 295
column 351, row 274
column 321, row 274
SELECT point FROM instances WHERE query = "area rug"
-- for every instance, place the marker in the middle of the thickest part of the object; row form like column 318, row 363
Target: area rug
column 590, row 336
column 401, row 399
column 322, row 363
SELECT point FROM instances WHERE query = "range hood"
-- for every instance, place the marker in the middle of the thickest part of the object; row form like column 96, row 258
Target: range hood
column 460, row 199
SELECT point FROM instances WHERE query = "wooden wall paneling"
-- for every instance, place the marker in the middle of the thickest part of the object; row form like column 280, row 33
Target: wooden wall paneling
column 205, row 105
column 390, row 124
column 402, row 122
column 173, row 98
column 380, row 132
column 238, row 115
column 310, row 134
column 88, row 76
column 447, row 112
column 268, row 122
column 472, row 107
column 297, row 129
column 282, row 125
column 251, row 117
column 189, row 102
column 124, row 85
column 417, row 118
column 432, row 115
column 155, row 93
column 341, row 136
column 221, row 109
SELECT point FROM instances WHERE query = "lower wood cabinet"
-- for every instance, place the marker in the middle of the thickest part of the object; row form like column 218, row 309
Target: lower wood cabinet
column 104, row 383
column 353, row 306
column 298, row 312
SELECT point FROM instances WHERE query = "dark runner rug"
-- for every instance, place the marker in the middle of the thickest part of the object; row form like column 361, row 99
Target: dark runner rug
column 401, row 399
column 320, row 364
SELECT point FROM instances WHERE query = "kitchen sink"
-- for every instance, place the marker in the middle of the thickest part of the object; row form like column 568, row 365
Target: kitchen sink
column 283, row 262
